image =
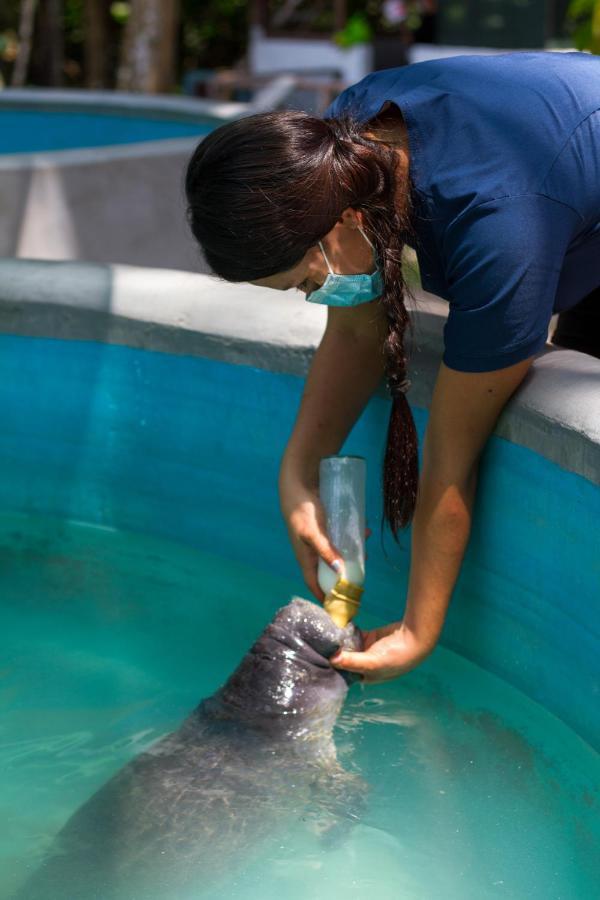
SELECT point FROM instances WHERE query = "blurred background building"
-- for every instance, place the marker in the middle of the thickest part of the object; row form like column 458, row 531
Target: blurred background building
column 232, row 49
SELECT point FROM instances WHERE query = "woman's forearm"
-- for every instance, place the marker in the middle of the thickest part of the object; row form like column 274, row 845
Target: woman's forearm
column 440, row 534
column 464, row 409
column 344, row 373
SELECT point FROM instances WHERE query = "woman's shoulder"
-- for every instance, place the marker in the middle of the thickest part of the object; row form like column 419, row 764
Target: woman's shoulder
column 553, row 78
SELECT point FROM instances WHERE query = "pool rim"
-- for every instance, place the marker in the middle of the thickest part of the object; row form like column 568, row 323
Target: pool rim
column 186, row 313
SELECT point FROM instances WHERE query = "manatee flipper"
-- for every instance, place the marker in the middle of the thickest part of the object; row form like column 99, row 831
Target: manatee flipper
column 338, row 803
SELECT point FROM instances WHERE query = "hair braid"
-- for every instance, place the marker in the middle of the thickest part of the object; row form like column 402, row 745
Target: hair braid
column 264, row 189
column 388, row 222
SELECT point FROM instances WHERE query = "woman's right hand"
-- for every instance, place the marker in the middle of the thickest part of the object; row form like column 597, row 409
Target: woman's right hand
column 305, row 519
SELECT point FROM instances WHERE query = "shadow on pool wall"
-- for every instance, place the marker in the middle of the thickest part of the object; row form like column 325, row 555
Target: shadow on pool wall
column 154, row 401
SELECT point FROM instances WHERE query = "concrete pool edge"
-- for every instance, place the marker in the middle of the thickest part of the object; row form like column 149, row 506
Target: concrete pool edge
column 172, row 106
column 134, row 399
column 116, row 202
column 555, row 413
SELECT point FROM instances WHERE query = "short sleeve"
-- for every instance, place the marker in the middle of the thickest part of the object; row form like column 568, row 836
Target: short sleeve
column 502, row 262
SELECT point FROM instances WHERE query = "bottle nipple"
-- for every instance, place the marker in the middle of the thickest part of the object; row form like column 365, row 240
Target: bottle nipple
column 342, row 602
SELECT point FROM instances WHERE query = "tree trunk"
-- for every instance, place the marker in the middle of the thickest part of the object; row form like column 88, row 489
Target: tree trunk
column 148, row 51
column 55, row 41
column 96, row 43
column 26, row 20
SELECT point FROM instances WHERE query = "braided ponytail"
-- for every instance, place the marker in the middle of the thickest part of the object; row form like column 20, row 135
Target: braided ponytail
column 265, row 189
column 388, row 225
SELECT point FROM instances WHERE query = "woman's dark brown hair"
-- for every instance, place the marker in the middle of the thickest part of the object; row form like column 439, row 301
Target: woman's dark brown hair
column 264, row 189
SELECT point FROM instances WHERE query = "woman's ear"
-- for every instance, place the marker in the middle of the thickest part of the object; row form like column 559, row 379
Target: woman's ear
column 352, row 218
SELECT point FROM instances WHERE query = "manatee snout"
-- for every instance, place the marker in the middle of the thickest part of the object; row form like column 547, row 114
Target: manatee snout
column 314, row 627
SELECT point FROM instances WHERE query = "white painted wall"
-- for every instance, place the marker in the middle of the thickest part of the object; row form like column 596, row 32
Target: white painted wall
column 269, row 54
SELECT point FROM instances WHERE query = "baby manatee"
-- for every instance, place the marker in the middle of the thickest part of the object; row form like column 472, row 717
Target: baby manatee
column 245, row 765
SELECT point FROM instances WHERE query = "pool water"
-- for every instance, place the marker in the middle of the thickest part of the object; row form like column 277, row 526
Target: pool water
column 37, row 130
column 110, row 638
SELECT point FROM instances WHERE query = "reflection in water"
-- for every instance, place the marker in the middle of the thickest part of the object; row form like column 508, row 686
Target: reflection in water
column 64, row 757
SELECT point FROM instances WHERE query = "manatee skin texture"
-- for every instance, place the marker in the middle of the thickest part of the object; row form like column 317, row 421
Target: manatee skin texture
column 246, row 762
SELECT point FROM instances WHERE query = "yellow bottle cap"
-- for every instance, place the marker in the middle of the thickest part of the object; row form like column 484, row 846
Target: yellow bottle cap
column 343, row 601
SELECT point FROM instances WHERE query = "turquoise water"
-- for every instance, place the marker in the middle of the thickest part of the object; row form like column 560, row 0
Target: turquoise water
column 147, row 441
column 33, row 130
column 110, row 638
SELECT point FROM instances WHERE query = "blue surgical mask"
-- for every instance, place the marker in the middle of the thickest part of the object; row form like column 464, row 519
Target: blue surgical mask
column 348, row 290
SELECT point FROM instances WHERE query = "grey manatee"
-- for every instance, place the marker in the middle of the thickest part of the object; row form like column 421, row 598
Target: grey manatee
column 247, row 762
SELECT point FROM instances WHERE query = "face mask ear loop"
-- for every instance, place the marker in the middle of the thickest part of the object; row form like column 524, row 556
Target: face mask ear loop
column 331, row 272
column 371, row 244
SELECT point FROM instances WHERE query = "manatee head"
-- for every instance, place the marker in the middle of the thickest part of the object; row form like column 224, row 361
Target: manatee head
column 285, row 685
column 308, row 629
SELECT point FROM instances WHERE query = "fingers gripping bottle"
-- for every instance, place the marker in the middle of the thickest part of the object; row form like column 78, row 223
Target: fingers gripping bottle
column 342, row 492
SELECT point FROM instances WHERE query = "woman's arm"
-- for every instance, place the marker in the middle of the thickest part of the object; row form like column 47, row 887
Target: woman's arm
column 345, row 370
column 464, row 409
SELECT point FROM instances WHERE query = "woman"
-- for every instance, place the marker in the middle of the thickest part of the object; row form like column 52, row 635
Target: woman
column 490, row 168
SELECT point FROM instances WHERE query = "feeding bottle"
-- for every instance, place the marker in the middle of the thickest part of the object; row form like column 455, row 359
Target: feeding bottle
column 342, row 493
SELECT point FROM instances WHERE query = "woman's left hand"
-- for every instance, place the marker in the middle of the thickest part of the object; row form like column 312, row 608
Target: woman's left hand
column 388, row 652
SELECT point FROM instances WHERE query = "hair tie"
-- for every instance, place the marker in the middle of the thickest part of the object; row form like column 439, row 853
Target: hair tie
column 401, row 387
column 338, row 132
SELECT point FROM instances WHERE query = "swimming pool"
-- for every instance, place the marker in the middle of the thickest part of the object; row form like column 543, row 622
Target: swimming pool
column 35, row 130
column 138, row 464
column 111, row 637
column 97, row 175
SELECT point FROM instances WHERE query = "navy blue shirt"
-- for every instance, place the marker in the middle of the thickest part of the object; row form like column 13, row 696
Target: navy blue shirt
column 505, row 165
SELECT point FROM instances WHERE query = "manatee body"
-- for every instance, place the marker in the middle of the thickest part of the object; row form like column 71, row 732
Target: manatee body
column 248, row 760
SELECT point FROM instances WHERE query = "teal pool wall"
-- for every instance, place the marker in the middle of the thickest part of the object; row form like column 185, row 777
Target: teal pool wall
column 171, row 444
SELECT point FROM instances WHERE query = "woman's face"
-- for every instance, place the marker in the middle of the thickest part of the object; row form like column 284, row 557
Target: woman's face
column 346, row 249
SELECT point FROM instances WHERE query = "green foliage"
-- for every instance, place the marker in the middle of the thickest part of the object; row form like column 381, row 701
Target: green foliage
column 120, row 12
column 73, row 21
column 9, row 19
column 584, row 18
column 356, row 31
column 214, row 32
